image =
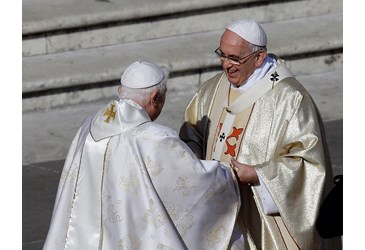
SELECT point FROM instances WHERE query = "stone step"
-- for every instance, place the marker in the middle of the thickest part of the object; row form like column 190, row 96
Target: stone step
column 83, row 28
column 57, row 15
column 47, row 134
column 189, row 83
column 74, row 53
column 102, row 67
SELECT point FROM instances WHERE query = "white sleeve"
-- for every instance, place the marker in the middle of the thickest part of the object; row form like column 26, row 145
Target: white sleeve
column 268, row 203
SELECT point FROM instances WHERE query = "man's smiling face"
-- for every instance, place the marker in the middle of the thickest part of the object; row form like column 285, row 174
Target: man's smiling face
column 233, row 45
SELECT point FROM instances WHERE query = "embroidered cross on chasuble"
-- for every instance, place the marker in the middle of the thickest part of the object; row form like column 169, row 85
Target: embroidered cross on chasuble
column 110, row 113
column 236, row 109
column 230, row 131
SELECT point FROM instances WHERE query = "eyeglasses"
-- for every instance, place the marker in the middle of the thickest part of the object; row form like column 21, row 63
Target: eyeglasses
column 233, row 59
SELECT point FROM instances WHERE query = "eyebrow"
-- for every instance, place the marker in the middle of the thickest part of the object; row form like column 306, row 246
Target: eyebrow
column 233, row 56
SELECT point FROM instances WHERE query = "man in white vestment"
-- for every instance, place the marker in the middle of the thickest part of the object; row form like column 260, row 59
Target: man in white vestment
column 258, row 117
column 130, row 183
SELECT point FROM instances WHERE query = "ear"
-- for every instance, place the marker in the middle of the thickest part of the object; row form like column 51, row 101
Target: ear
column 119, row 89
column 154, row 99
column 260, row 58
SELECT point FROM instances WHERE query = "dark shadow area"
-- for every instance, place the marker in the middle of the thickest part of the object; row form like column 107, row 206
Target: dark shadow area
column 40, row 182
column 334, row 135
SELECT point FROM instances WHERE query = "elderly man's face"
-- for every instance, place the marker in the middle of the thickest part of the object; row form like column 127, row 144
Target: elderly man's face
column 233, row 45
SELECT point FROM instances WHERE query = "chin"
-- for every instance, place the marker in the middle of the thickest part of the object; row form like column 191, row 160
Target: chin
column 233, row 82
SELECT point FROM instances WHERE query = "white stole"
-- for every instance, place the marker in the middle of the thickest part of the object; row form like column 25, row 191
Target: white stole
column 246, row 100
column 85, row 222
column 85, row 228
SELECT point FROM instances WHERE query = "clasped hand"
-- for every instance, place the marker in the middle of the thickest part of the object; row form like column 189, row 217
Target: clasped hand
column 245, row 173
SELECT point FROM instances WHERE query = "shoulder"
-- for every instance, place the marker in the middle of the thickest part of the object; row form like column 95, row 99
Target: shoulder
column 207, row 89
column 154, row 135
column 212, row 82
column 290, row 88
column 288, row 97
column 289, row 85
column 155, row 129
column 85, row 125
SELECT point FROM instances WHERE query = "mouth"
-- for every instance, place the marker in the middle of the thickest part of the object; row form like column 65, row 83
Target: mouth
column 232, row 72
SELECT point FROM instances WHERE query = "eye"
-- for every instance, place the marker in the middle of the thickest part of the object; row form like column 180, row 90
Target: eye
column 234, row 58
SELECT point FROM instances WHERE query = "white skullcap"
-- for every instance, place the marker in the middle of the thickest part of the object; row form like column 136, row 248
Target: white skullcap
column 140, row 75
column 249, row 30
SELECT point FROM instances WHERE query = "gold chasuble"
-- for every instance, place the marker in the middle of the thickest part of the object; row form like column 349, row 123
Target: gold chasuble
column 275, row 127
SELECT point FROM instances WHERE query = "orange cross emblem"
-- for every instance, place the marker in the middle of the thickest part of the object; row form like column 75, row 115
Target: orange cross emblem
column 232, row 148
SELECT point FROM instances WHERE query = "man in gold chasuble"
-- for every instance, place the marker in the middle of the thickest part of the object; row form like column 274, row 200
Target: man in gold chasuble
column 258, row 117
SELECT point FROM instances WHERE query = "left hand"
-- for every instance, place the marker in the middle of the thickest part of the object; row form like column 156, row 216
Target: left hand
column 245, row 173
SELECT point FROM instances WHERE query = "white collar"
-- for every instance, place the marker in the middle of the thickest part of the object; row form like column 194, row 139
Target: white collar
column 268, row 65
column 116, row 118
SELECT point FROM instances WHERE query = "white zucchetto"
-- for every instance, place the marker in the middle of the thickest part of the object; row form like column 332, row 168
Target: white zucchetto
column 249, row 30
column 140, row 75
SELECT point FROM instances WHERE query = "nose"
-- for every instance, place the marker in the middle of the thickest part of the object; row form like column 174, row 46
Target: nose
column 226, row 63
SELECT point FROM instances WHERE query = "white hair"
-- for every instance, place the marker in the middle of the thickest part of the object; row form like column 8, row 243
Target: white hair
column 253, row 48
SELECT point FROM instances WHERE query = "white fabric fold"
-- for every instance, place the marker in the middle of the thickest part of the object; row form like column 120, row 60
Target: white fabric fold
column 116, row 118
column 268, row 203
column 135, row 185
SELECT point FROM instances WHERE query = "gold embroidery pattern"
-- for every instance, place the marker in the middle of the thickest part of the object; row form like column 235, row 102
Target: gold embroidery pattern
column 216, row 235
column 154, row 215
column 129, row 242
column 110, row 113
column 217, row 204
column 112, row 213
column 69, row 174
column 184, row 220
column 153, row 168
column 107, row 159
column 161, row 246
column 183, row 185
column 129, row 183
column 178, row 151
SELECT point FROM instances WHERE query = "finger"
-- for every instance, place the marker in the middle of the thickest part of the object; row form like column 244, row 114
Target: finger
column 234, row 161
